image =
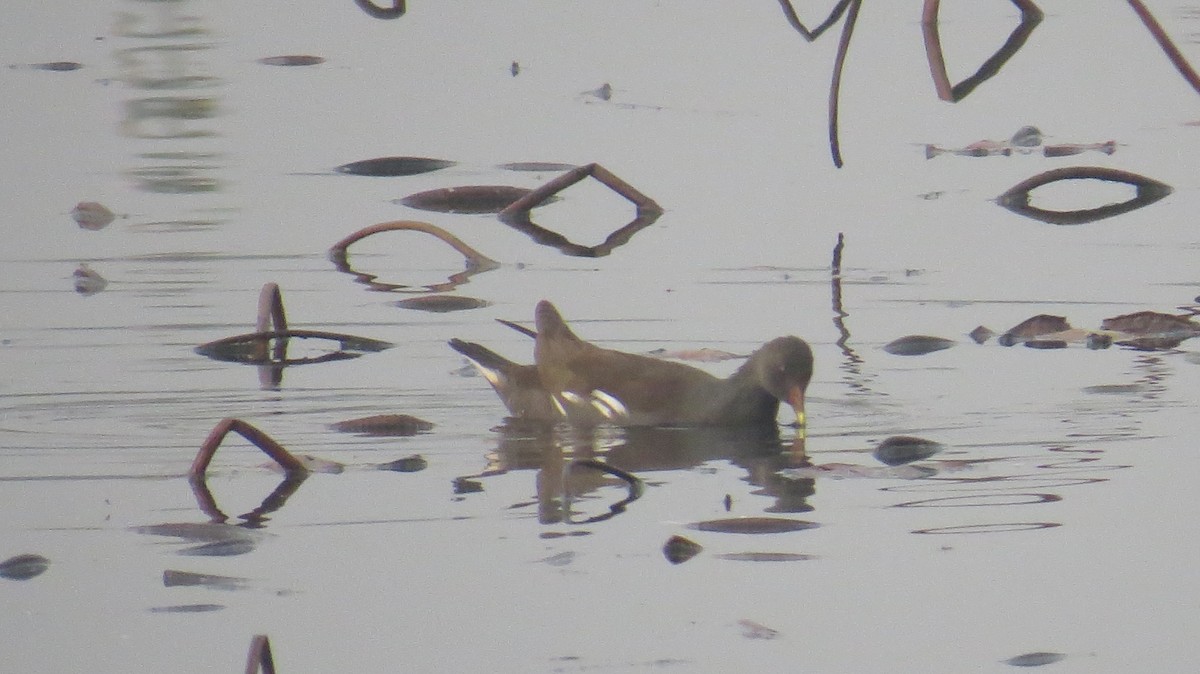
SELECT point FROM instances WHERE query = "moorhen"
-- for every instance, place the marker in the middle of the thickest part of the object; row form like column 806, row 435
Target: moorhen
column 583, row 384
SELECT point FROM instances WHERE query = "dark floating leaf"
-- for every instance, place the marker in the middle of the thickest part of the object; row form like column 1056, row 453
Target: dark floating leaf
column 753, row 630
column 291, row 60
column 442, row 303
column 409, row 464
column 173, row 578
column 1115, row 389
column 92, row 215
column 563, row 534
column 88, row 282
column 536, row 166
column 1035, row 326
column 384, row 424
column 1153, row 331
column 463, row 485
column 394, row 166
column 1152, row 323
column 765, row 556
column 917, row 345
column 1046, row 344
column 678, row 549
column 473, row 199
column 187, row 608
column 901, row 449
column 1034, row 659
column 23, row 567
column 57, row 66
column 1151, row 343
column 229, row 548
column 1067, row 149
column 981, row 334
column 753, row 525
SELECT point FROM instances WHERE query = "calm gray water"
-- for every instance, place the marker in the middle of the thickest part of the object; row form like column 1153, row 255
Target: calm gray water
column 1057, row 519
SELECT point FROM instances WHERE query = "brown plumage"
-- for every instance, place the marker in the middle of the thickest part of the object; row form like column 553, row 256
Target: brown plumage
column 584, row 384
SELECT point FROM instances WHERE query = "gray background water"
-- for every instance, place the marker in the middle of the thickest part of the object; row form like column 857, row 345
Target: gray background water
column 718, row 113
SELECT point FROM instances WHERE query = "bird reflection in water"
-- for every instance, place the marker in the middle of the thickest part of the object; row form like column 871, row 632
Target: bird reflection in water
column 568, row 477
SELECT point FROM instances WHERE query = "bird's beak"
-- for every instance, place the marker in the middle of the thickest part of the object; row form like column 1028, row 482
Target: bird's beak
column 795, row 398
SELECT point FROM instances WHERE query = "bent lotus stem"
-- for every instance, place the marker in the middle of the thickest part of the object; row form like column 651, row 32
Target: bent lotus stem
column 1177, row 59
column 266, row 443
column 475, row 259
column 271, row 317
column 519, row 209
column 835, row 86
column 376, row 12
column 259, row 659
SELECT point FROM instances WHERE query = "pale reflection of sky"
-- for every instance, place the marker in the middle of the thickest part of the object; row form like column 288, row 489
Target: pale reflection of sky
column 718, row 114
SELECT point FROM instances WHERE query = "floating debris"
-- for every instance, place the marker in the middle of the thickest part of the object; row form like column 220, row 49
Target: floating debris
column 442, row 303
column 981, row 334
column 1151, row 330
column 537, row 166
column 603, row 92
column 1152, row 323
column 1035, row 326
column 53, row 66
column 753, row 630
column 394, row 166
column 753, row 525
column 1068, row 149
column 1096, row 341
column 559, row 559
column 678, row 549
column 1151, row 343
column 173, row 578
column 464, row 485
column 469, row 199
column 292, row 60
column 841, row 471
column 87, row 281
column 229, row 548
column 92, row 215
column 187, row 608
column 23, row 567
column 765, row 556
column 384, row 424
column 1025, row 137
column 917, row 345
column 701, row 355
column 1034, row 659
column 548, row 535
column 409, row 464
column 901, row 449
column 1046, row 344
